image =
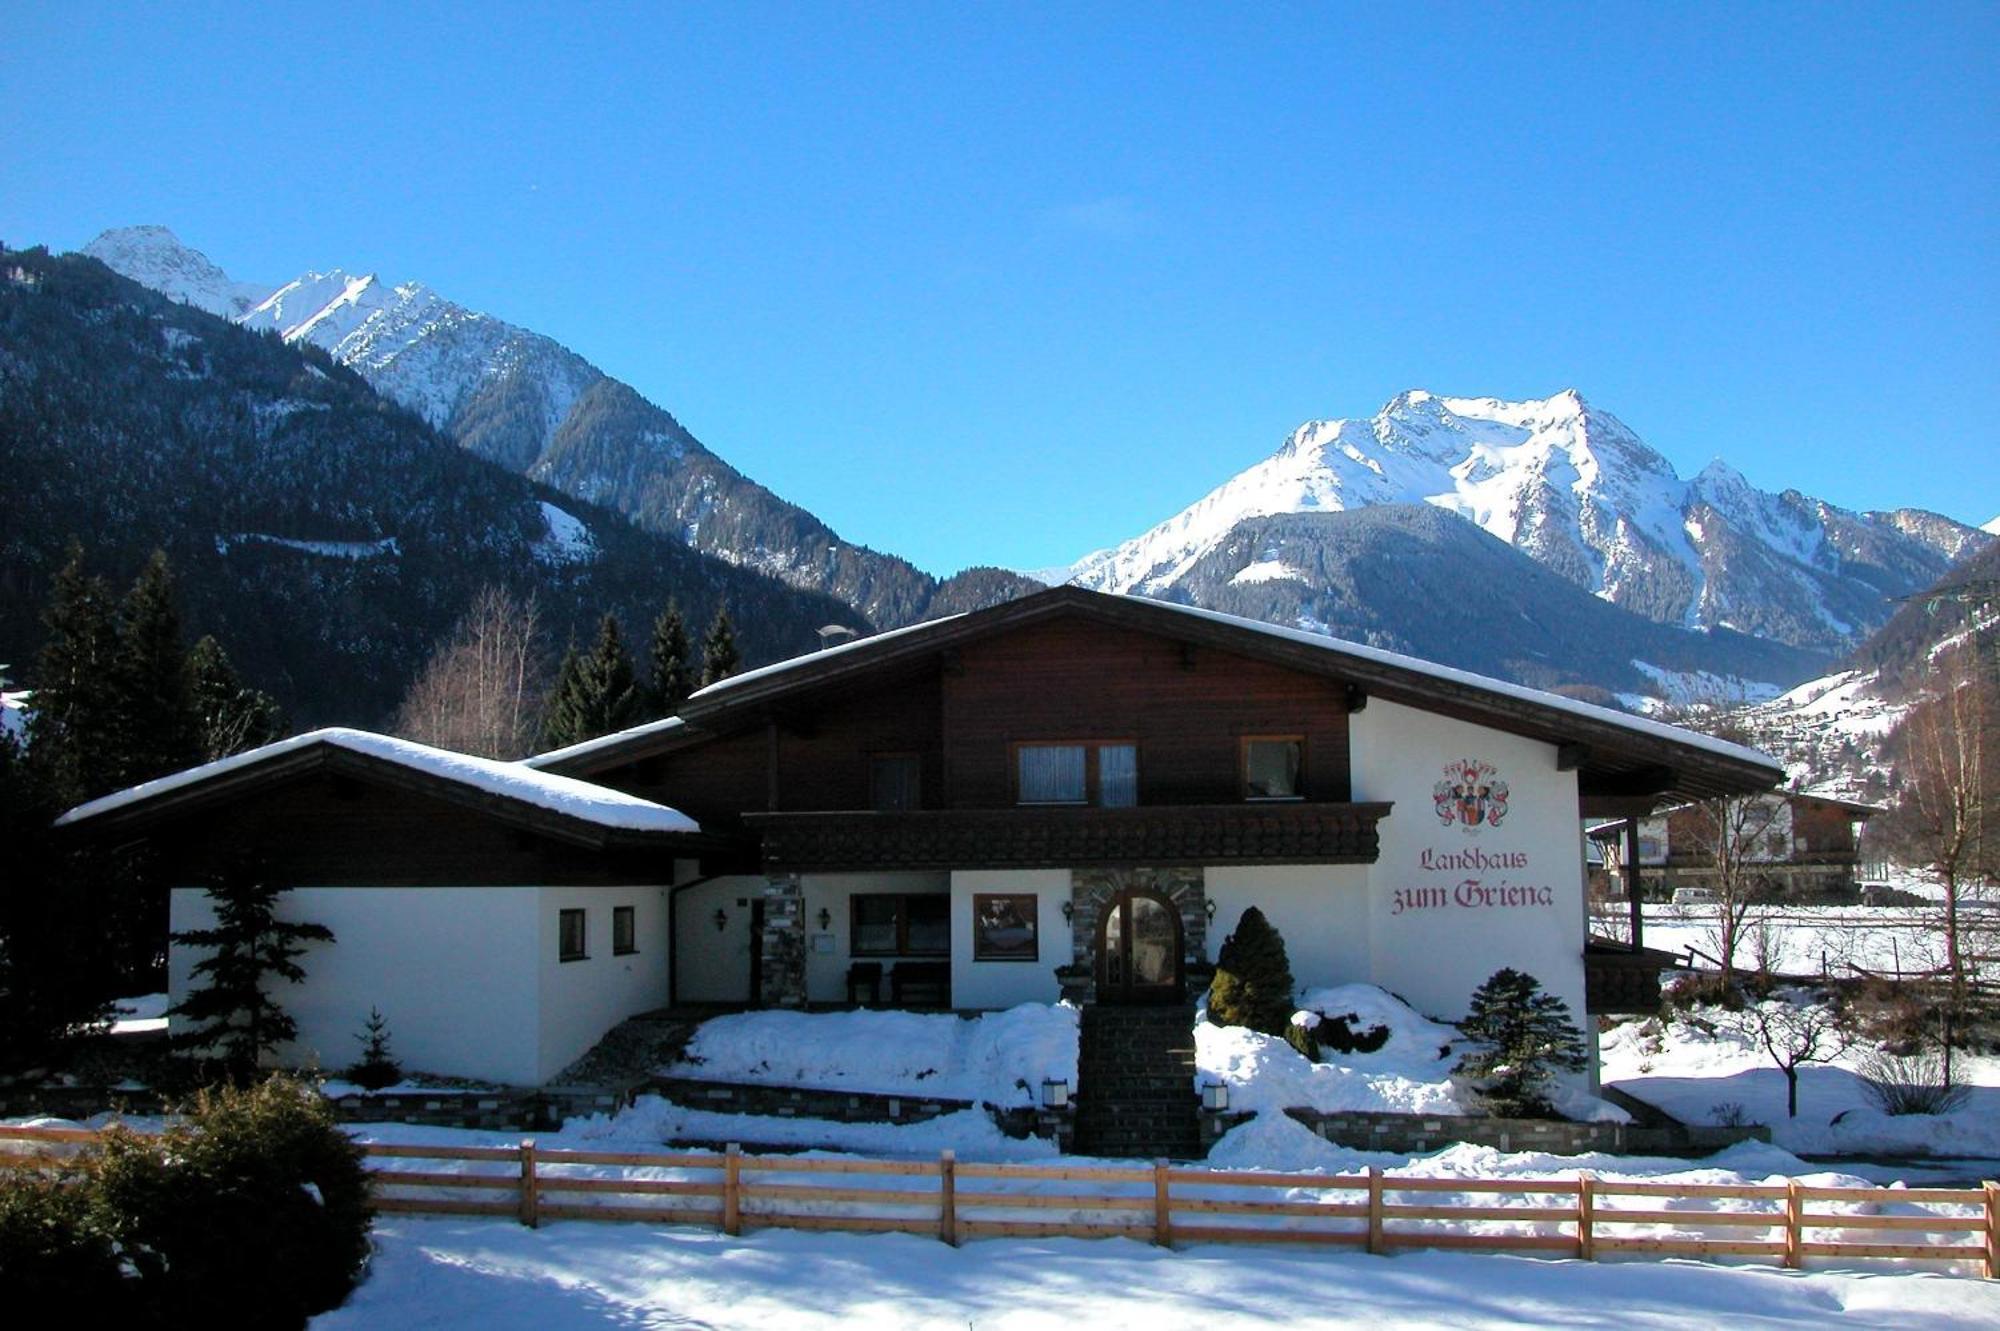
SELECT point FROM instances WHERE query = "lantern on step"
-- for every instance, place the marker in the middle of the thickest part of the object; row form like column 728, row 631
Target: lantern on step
column 1214, row 1096
column 1055, row 1093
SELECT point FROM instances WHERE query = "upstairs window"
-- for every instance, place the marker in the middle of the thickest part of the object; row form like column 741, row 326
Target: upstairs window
column 1103, row 774
column 895, row 781
column 1271, row 765
column 569, row 936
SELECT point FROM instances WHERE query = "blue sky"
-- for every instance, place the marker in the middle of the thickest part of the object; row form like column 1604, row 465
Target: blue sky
column 1003, row 283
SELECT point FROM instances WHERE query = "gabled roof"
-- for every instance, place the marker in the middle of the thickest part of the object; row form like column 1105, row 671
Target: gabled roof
column 1618, row 755
column 558, row 806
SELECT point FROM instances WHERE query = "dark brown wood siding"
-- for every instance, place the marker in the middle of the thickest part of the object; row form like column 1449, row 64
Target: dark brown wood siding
column 324, row 830
column 1187, row 710
column 823, row 758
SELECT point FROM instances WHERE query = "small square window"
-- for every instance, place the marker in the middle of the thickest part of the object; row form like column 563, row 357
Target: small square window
column 1271, row 767
column 569, row 930
column 624, row 930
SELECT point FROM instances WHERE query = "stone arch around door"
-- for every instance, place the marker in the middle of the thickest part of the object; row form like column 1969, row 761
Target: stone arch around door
column 1094, row 891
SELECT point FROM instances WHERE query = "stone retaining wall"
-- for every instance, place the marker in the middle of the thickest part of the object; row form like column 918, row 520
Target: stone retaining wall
column 500, row 1110
column 735, row 1097
column 1413, row 1133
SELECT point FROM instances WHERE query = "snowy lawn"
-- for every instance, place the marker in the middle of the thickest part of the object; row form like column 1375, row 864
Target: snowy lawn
column 1697, row 1072
column 1884, row 940
column 501, row 1277
column 998, row 1058
column 1409, row 1074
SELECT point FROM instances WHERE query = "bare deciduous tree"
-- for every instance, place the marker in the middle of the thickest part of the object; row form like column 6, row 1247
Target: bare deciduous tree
column 1796, row 1026
column 1733, row 838
column 1947, row 819
column 483, row 688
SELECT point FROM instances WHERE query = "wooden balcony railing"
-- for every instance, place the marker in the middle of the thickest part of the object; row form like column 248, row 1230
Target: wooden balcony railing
column 1051, row 838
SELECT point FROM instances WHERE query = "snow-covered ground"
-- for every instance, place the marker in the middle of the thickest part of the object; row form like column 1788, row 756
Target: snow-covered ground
column 498, row 1276
column 1883, row 940
column 1698, row 1074
column 1409, row 1074
column 998, row 1058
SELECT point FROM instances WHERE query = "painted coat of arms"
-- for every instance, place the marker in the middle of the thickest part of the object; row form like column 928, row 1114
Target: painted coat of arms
column 1471, row 793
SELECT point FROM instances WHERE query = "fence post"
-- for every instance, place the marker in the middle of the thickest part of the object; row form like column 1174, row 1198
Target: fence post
column 1795, row 1206
column 1163, row 1213
column 732, row 1189
column 1586, row 1216
column 948, row 1198
column 1374, row 1209
column 531, row 1201
column 1992, row 1231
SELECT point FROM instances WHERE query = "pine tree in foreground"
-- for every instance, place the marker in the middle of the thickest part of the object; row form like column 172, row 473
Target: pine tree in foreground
column 595, row 694
column 158, row 725
column 1253, row 978
column 233, row 716
column 719, row 657
column 248, row 945
column 672, row 676
column 1525, row 1037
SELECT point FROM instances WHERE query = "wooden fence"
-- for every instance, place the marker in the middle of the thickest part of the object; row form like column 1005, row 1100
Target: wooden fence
column 1584, row 1216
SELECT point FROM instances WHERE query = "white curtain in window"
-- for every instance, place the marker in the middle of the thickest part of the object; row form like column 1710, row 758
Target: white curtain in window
column 1051, row 773
column 1117, row 775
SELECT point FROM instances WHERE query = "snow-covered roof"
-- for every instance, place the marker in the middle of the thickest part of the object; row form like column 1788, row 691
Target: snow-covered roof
column 869, row 644
column 616, row 739
column 1334, row 647
column 1556, row 701
column 513, row 781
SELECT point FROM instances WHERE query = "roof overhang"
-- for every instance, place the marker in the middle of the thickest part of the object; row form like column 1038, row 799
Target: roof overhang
column 1625, row 765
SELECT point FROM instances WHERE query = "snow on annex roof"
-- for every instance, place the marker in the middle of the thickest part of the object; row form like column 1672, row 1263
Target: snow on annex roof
column 562, row 795
column 1334, row 647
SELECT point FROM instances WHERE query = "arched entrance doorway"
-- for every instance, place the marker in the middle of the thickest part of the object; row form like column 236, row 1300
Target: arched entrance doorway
column 1139, row 950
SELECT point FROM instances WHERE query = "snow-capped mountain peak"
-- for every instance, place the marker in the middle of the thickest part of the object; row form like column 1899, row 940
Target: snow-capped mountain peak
column 153, row 256
column 1571, row 486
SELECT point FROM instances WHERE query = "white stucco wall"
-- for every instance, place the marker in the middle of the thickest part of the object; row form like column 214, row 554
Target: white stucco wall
column 714, row 964
column 1322, row 911
column 1450, row 904
column 827, row 950
column 581, row 1000
column 1001, row 984
column 452, row 969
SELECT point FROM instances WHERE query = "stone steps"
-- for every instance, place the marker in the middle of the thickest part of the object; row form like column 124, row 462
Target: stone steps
column 1135, row 1084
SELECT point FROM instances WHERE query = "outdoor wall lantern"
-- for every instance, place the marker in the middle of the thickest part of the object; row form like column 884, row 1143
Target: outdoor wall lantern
column 1208, row 908
column 1055, row 1093
column 1214, row 1096
column 721, row 919
column 1068, row 910
column 825, row 919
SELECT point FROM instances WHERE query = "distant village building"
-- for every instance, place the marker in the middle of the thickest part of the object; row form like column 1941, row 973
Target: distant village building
column 1794, row 847
column 1070, row 795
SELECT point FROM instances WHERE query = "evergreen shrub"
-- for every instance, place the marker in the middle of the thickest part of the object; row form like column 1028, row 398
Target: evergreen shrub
column 1253, row 978
column 251, row 1211
column 1523, row 1037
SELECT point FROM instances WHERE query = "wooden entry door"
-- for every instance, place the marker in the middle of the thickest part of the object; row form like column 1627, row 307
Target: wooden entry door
column 1139, row 951
column 756, row 952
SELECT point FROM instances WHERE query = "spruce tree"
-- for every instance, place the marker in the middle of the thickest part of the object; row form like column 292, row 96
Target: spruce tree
column 248, row 946
column 73, row 724
column 232, row 717
column 1525, row 1037
column 672, row 676
column 158, row 725
column 1253, row 978
column 719, row 657
column 595, row 694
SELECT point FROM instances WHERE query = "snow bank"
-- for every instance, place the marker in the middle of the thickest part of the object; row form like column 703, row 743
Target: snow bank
column 1701, row 1072
column 998, row 1058
column 1409, row 1074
